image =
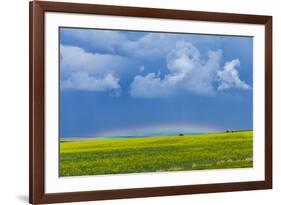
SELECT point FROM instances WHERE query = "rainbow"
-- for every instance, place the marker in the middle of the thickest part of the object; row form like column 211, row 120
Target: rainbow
column 163, row 129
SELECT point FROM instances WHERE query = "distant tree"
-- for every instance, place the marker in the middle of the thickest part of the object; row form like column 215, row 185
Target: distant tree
column 180, row 134
column 227, row 131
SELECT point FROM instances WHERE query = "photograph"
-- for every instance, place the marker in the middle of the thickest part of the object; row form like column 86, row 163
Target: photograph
column 134, row 101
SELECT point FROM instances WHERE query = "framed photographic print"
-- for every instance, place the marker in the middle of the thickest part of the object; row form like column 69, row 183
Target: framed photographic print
column 138, row 102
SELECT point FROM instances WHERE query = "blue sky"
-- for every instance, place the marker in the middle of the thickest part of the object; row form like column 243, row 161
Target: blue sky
column 120, row 82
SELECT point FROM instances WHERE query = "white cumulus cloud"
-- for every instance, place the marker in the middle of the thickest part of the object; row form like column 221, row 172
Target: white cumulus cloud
column 229, row 77
column 150, row 86
column 81, row 70
column 187, row 72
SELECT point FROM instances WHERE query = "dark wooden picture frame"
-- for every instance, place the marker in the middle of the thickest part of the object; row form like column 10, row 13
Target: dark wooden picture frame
column 37, row 193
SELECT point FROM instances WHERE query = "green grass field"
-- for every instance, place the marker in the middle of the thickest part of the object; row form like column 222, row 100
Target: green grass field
column 157, row 154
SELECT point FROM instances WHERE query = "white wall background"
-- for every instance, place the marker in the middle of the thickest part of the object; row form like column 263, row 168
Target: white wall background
column 14, row 101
